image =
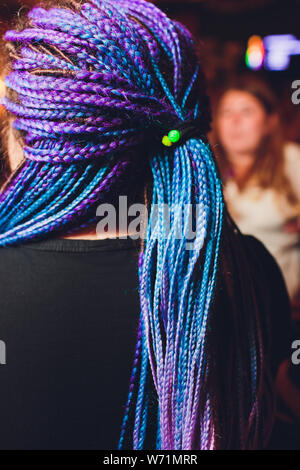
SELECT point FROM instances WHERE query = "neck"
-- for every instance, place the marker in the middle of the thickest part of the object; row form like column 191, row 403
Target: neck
column 241, row 164
column 90, row 233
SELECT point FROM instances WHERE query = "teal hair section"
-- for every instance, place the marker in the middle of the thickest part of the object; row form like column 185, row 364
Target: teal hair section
column 93, row 88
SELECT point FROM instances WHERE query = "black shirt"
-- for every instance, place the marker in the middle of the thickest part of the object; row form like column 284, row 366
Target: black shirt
column 69, row 319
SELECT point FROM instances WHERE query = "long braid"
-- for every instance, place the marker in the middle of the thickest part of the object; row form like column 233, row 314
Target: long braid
column 92, row 83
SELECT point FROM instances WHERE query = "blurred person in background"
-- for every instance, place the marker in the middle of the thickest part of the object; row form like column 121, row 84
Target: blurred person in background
column 261, row 177
column 260, row 172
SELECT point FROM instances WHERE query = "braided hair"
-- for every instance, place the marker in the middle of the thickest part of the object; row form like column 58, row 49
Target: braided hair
column 91, row 85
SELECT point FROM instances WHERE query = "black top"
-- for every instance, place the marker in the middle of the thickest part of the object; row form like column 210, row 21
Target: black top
column 69, row 318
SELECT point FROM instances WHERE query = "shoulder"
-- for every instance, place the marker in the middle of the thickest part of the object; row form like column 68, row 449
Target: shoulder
column 272, row 291
column 266, row 272
column 254, row 245
column 14, row 263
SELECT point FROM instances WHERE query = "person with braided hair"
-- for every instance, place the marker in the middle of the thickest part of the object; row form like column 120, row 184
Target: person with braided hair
column 117, row 343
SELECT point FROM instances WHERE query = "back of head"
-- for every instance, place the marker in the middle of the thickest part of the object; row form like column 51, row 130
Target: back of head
column 93, row 87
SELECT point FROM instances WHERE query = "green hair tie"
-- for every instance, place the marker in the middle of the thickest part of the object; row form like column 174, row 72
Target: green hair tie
column 172, row 137
column 185, row 129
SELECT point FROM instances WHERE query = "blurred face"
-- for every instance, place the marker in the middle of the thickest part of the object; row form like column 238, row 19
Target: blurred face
column 242, row 122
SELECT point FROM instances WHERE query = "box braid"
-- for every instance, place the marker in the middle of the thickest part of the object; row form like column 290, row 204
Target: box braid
column 91, row 86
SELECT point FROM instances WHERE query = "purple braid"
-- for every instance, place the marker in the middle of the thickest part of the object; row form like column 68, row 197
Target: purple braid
column 93, row 86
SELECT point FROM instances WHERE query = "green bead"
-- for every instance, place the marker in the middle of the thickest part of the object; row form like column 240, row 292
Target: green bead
column 174, row 136
column 166, row 141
